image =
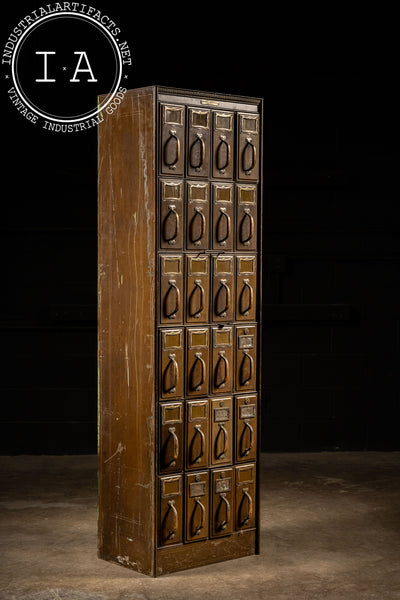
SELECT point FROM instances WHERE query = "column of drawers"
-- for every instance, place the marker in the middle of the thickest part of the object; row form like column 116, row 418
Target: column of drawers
column 207, row 322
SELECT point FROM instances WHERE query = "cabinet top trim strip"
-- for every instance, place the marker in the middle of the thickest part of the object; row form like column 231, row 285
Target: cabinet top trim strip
column 205, row 102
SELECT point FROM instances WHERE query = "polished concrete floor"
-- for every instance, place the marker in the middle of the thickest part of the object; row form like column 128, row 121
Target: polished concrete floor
column 330, row 531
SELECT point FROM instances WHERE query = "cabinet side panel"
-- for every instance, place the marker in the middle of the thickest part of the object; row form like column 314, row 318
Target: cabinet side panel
column 126, row 328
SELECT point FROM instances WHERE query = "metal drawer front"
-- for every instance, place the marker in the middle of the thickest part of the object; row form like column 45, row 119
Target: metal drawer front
column 222, row 216
column 246, row 358
column 221, row 431
column 172, row 150
column 246, row 428
column 171, row 363
column 170, row 526
column 245, row 500
column 222, row 502
column 197, row 506
column 197, row 288
column 171, row 214
column 198, row 142
column 222, row 360
column 197, row 434
column 171, row 419
column 223, row 148
column 246, row 217
column 171, row 289
column 198, row 216
column 248, row 147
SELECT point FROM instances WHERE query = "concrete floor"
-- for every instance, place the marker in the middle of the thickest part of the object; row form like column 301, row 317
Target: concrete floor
column 330, row 531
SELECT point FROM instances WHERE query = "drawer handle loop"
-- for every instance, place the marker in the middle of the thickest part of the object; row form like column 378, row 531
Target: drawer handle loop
column 172, row 436
column 245, row 516
column 196, row 529
column 199, row 455
column 223, row 227
column 221, row 370
column 246, row 230
column 171, row 375
column 172, row 144
column 222, row 299
column 170, row 516
column 197, row 373
column 246, row 369
column 248, row 156
column 223, row 154
column 222, row 523
column 171, row 225
column 197, row 158
column 196, row 300
column 246, row 450
column 246, row 298
column 172, row 300
column 197, row 226
column 222, row 432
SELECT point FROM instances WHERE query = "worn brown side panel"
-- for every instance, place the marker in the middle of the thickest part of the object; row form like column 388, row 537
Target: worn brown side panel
column 206, row 552
column 126, row 328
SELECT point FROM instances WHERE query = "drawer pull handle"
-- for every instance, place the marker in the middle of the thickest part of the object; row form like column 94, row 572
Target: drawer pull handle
column 172, row 300
column 171, row 225
column 245, row 516
column 222, row 299
column 196, row 529
column 197, row 152
column 222, row 432
column 171, row 375
column 246, row 450
column 197, row 226
column 246, row 230
column 199, row 455
column 221, row 370
column 172, row 436
column 223, row 154
column 248, row 156
column 246, row 298
column 246, row 369
column 223, row 226
column 172, row 150
column 196, row 300
column 170, row 525
column 224, row 503
column 197, row 373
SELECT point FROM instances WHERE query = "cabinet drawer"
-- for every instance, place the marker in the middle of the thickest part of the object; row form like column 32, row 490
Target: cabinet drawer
column 245, row 500
column 197, row 288
column 198, row 216
column 171, row 363
column 246, row 287
column 170, row 526
column 246, row 217
column 171, row 214
column 222, row 360
column 197, row 361
column 197, row 506
column 171, row 425
column 198, row 150
column 221, row 431
column 246, row 358
column 248, row 146
column 222, row 143
column 222, row 502
column 223, row 290
column 197, row 433
column 246, row 428
column 222, row 216
column 171, row 289
column 172, row 140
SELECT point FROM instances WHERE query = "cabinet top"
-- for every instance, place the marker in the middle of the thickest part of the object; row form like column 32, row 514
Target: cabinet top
column 201, row 98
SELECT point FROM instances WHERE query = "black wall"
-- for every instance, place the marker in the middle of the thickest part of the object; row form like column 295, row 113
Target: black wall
column 331, row 230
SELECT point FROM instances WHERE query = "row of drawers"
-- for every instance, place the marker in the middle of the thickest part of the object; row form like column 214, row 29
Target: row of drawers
column 203, row 215
column 199, row 288
column 215, row 503
column 206, row 143
column 198, row 361
column 207, row 433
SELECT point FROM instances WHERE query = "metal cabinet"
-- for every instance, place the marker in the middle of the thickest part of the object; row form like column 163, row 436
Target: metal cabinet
column 180, row 201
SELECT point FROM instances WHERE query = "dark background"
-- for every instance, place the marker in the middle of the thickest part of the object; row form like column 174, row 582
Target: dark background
column 331, row 243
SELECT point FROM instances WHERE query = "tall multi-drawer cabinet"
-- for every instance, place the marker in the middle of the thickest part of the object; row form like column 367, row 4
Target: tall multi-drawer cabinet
column 179, row 344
